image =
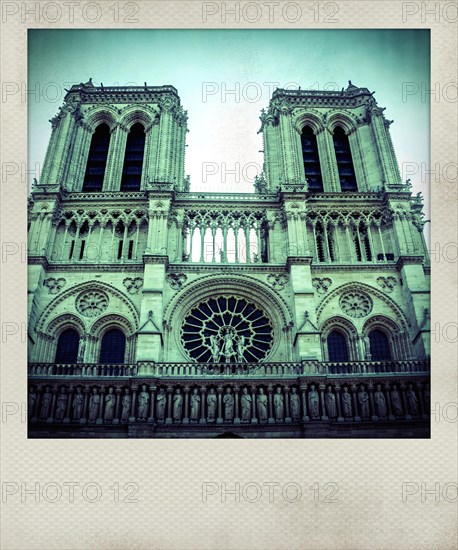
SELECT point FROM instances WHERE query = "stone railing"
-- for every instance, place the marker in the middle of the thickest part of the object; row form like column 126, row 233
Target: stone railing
column 286, row 369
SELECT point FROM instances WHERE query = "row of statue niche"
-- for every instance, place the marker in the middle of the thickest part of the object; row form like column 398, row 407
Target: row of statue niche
column 230, row 346
column 246, row 403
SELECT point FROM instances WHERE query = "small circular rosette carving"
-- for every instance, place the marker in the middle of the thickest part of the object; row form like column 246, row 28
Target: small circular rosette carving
column 356, row 304
column 91, row 304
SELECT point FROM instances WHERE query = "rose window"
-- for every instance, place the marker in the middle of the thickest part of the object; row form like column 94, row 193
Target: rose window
column 356, row 304
column 227, row 329
column 91, row 304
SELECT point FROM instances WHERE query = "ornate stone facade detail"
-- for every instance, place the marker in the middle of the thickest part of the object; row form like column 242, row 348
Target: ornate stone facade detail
column 356, row 304
column 91, row 304
column 387, row 283
column 176, row 280
column 133, row 285
column 54, row 285
column 278, row 280
column 321, row 284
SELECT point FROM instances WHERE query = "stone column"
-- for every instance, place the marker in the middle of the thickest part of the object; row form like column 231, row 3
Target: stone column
column 370, row 388
column 386, row 387
column 236, row 403
column 219, row 416
column 86, row 392
column 152, row 404
column 117, row 415
column 271, row 419
column 254, row 419
column 203, row 391
column 101, row 406
column 404, row 402
column 340, row 418
column 169, row 418
column 305, row 417
column 134, row 403
column 69, row 405
column 287, row 411
column 186, row 405
column 322, row 387
column 55, row 392
column 354, row 391
column 36, row 408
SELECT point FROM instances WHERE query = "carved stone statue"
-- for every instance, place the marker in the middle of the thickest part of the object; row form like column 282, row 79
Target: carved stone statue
column 241, row 349
column 46, row 404
column 363, row 399
column 211, row 405
column 228, row 401
column 262, row 405
column 366, row 346
column 396, row 402
column 195, row 404
column 177, row 405
column 379, row 402
column 161, row 398
column 31, row 402
column 228, row 347
column 330, row 401
column 143, row 400
column 412, row 400
column 110, row 402
column 126, row 405
column 61, row 407
column 314, row 407
column 346, row 403
column 78, row 402
column 214, row 348
column 94, row 403
column 246, row 401
column 279, row 405
column 295, row 404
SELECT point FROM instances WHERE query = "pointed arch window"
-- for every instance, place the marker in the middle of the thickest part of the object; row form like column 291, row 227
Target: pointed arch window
column 133, row 159
column 337, row 347
column 344, row 160
column 311, row 159
column 67, row 347
column 113, row 347
column 97, row 159
column 379, row 346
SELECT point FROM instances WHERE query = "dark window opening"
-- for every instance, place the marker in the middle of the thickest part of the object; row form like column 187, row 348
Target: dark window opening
column 344, row 161
column 311, row 159
column 120, row 245
column 113, row 347
column 337, row 347
column 97, row 160
column 67, row 347
column 133, row 159
column 72, row 248
column 379, row 345
column 83, row 244
column 131, row 250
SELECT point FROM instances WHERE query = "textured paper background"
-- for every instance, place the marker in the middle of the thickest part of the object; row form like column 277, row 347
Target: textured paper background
column 171, row 512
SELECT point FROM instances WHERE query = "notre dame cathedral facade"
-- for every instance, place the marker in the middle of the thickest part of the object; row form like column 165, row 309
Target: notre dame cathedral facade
column 298, row 310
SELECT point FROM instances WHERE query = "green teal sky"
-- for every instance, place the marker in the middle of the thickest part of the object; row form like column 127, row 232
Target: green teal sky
column 222, row 129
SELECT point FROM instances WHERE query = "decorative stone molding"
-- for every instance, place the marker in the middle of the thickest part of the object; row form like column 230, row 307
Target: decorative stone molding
column 54, row 285
column 356, row 304
column 176, row 280
column 92, row 303
column 133, row 285
column 387, row 283
column 321, row 285
column 278, row 280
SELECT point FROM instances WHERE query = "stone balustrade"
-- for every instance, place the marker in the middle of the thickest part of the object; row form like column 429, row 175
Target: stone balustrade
column 164, row 402
column 286, row 369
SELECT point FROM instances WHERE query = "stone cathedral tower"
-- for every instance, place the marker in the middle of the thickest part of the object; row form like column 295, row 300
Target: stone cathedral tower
column 299, row 310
